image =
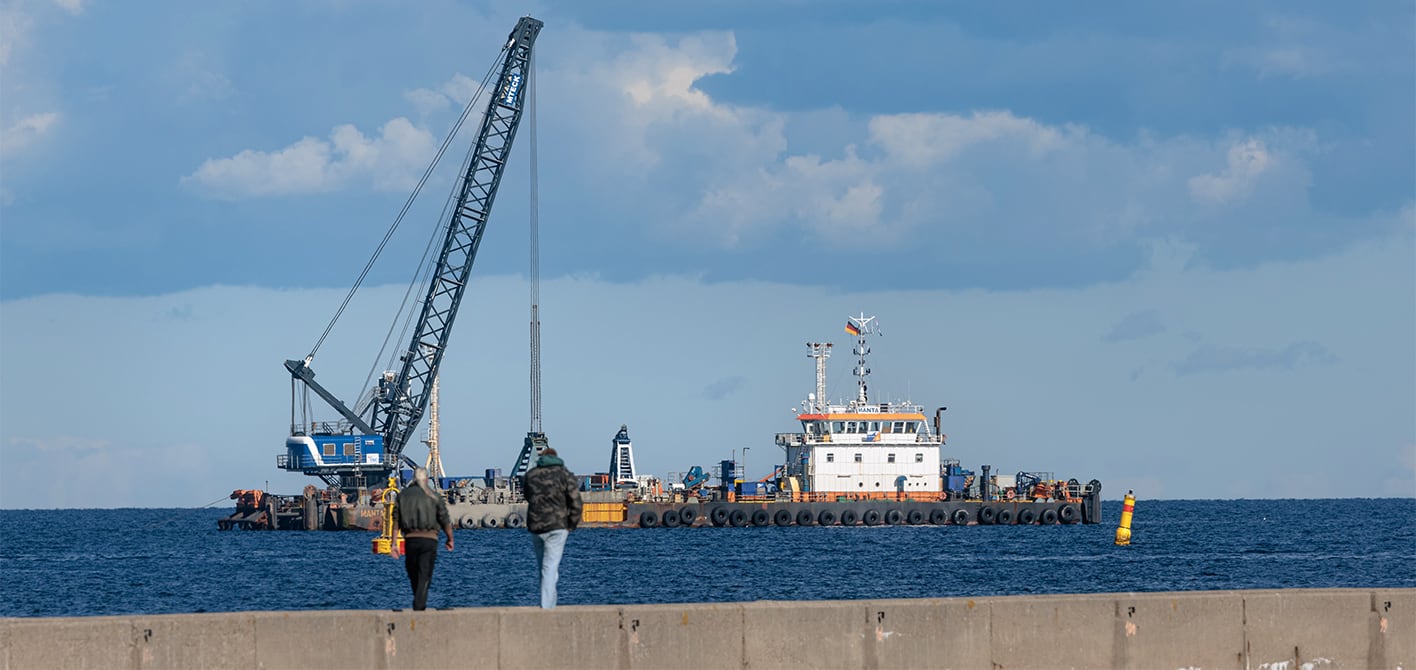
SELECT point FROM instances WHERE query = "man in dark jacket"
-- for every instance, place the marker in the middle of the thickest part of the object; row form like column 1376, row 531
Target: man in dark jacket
column 552, row 511
column 419, row 512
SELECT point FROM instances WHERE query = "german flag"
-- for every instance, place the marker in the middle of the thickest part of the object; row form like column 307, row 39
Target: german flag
column 852, row 329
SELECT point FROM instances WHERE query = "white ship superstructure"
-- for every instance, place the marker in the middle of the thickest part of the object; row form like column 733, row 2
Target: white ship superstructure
column 864, row 448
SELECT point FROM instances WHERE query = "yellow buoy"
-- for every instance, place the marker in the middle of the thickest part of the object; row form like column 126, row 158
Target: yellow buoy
column 384, row 542
column 1123, row 531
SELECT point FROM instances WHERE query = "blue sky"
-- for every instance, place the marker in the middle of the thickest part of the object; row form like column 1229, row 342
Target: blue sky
column 1170, row 247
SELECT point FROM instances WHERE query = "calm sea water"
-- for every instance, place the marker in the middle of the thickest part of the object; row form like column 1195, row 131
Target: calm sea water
column 98, row 562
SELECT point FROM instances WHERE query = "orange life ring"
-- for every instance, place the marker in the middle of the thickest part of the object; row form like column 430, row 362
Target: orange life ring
column 1010, row 494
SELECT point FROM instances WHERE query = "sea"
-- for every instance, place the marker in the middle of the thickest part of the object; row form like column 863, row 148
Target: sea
column 89, row 562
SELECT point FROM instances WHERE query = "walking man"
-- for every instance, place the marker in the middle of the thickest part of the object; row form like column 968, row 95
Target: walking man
column 552, row 511
column 419, row 512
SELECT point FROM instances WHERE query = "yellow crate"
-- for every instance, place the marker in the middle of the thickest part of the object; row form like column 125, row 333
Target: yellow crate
column 602, row 512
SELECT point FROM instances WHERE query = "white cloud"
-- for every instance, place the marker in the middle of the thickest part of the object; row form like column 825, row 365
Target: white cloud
column 725, row 175
column 26, row 132
column 15, row 27
column 390, row 161
column 73, row 7
column 921, row 140
column 1246, row 161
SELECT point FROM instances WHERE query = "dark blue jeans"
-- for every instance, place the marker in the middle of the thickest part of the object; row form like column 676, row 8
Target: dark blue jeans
column 419, row 556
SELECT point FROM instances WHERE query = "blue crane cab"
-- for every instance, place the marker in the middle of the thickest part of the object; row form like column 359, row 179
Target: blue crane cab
column 314, row 454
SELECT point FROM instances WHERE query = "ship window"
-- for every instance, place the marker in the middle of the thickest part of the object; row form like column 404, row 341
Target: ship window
column 840, row 427
column 919, row 458
column 899, row 426
column 891, row 458
column 329, row 449
column 857, row 458
column 850, row 426
column 348, row 448
column 875, row 426
column 886, row 428
column 910, row 426
column 830, row 457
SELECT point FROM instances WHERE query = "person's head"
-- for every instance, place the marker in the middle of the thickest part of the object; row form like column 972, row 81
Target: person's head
column 420, row 477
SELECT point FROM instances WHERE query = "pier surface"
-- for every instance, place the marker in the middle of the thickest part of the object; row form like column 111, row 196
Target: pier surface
column 1285, row 628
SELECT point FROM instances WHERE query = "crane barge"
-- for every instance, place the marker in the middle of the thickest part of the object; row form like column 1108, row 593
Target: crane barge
column 362, row 451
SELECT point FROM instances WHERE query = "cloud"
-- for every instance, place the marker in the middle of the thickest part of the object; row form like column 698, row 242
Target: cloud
column 15, row 27
column 920, row 140
column 1246, row 162
column 389, row 162
column 73, row 7
column 1211, row 358
column 695, row 170
column 25, row 132
column 1135, row 326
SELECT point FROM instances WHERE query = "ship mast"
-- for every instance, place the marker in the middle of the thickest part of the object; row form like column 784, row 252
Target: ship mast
column 819, row 351
column 860, row 326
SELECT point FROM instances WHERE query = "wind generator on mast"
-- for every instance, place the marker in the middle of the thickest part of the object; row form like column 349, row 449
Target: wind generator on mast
column 535, row 441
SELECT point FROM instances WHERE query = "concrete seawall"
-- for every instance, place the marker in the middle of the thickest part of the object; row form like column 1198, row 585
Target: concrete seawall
column 1289, row 628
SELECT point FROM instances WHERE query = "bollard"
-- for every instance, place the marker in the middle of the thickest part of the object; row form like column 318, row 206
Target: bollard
column 1123, row 531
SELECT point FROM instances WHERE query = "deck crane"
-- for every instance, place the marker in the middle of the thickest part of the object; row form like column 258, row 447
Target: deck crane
column 366, row 447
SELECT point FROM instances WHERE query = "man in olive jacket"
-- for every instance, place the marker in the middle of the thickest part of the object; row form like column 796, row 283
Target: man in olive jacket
column 419, row 512
column 552, row 511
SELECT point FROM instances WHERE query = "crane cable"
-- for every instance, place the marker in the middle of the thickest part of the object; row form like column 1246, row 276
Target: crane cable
column 423, row 273
column 408, row 203
column 535, row 258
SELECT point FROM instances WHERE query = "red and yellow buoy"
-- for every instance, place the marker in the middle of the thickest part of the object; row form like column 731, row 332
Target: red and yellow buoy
column 1123, row 531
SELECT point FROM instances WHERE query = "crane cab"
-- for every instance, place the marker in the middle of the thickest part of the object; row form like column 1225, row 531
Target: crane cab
column 316, row 454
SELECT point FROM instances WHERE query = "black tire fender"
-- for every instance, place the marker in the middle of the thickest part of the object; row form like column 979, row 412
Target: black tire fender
column 669, row 519
column 914, row 517
column 986, row 515
column 760, row 517
column 938, row 516
column 1005, row 517
column 737, row 518
column 1068, row 513
column 1049, row 516
column 718, row 516
column 782, row 518
column 871, row 517
column 687, row 516
column 648, row 519
column 1026, row 516
column 826, row 518
column 514, row 520
column 804, row 518
column 848, row 517
column 894, row 517
column 961, row 517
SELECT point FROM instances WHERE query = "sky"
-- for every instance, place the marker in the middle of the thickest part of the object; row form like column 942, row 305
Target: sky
column 1169, row 247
